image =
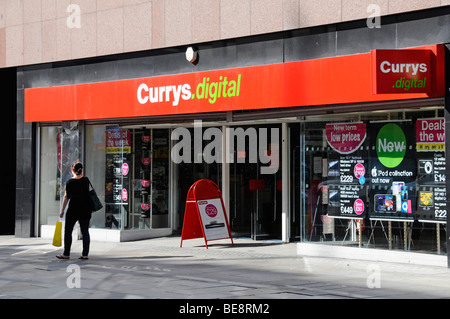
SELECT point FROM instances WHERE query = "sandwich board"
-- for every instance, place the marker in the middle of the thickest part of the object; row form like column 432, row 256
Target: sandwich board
column 205, row 214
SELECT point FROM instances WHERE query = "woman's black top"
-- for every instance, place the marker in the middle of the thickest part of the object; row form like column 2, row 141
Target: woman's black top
column 78, row 192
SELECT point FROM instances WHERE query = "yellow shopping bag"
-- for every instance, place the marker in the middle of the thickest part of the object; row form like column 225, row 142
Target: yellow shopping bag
column 57, row 237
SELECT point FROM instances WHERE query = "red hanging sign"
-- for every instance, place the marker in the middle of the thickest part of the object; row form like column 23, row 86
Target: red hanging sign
column 401, row 71
column 205, row 215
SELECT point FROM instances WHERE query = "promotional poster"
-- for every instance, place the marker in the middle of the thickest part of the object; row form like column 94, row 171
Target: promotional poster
column 213, row 219
column 386, row 170
column 117, row 188
column 392, row 171
column 432, row 194
column 347, row 170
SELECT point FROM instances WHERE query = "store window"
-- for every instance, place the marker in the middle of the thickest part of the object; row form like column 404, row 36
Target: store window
column 372, row 180
column 129, row 168
column 59, row 147
column 50, row 175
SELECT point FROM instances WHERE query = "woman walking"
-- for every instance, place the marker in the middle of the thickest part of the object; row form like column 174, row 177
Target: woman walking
column 77, row 196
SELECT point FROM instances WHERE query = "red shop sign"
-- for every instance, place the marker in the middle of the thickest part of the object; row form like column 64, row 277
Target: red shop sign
column 327, row 81
column 401, row 71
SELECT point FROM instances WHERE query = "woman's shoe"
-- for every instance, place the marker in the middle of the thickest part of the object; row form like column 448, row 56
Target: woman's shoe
column 84, row 257
column 62, row 256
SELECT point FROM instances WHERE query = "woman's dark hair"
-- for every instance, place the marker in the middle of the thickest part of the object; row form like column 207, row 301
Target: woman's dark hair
column 77, row 167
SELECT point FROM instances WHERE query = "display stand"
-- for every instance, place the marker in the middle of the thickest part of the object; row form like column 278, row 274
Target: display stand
column 407, row 232
column 205, row 214
column 438, row 237
column 314, row 217
column 349, row 225
column 390, row 234
column 373, row 229
column 438, row 232
column 406, row 236
column 353, row 222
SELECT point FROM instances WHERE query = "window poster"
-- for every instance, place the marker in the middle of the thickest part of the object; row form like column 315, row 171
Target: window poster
column 430, row 138
column 347, row 169
column 144, row 158
column 392, row 192
column 390, row 170
column 118, row 157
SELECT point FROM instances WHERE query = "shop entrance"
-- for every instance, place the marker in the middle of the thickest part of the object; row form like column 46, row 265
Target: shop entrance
column 255, row 197
column 253, row 170
column 188, row 174
column 188, row 171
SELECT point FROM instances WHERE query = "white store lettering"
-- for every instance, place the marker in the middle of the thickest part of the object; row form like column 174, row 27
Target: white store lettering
column 163, row 93
column 387, row 67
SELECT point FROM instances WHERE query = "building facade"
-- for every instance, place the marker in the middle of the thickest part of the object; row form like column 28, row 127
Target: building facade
column 321, row 121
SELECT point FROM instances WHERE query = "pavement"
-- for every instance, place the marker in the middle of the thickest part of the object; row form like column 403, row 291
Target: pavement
column 250, row 270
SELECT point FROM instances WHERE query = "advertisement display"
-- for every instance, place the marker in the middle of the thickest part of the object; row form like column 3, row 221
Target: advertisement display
column 117, row 185
column 432, row 194
column 204, row 215
column 213, row 218
column 388, row 170
column 143, row 157
column 392, row 171
column 347, row 167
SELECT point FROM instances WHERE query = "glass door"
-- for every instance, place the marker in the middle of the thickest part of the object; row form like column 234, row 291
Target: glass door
column 308, row 221
column 192, row 168
column 255, row 196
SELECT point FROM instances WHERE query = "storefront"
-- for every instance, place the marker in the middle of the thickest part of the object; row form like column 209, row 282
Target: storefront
column 340, row 149
column 311, row 137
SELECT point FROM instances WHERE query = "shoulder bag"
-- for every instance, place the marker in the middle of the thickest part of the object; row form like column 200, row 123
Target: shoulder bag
column 96, row 205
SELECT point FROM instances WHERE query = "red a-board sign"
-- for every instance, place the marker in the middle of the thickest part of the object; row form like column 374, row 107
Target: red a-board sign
column 205, row 214
column 401, row 71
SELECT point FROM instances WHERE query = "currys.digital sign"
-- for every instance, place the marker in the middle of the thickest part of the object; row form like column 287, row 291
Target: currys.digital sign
column 359, row 78
column 401, row 71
